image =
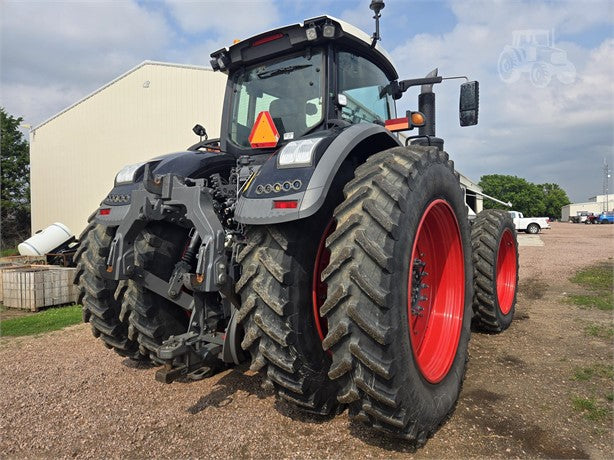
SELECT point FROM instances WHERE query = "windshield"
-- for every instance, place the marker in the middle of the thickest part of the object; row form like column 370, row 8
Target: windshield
column 363, row 84
column 290, row 89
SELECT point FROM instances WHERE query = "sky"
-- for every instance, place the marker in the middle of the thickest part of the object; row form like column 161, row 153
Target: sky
column 557, row 127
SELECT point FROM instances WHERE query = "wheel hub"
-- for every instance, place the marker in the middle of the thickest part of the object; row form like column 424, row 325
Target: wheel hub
column 418, row 286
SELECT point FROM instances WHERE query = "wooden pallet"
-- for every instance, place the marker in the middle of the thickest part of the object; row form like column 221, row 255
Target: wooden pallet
column 36, row 286
column 22, row 260
column 4, row 267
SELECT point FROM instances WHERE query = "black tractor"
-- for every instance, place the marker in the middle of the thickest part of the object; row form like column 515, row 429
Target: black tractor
column 311, row 238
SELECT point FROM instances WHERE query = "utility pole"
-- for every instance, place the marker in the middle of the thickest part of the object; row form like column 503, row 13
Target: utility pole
column 606, row 182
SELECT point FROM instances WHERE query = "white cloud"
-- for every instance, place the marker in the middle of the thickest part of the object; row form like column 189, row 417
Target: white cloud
column 226, row 20
column 53, row 53
column 554, row 134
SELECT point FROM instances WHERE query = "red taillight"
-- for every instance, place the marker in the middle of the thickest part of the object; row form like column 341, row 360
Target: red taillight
column 105, row 211
column 288, row 204
column 270, row 38
column 397, row 124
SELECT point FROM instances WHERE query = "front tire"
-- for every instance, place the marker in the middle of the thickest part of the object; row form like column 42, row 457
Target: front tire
column 400, row 267
column 495, row 263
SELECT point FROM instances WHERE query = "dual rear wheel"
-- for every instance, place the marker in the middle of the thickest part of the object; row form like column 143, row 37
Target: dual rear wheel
column 389, row 283
column 400, row 292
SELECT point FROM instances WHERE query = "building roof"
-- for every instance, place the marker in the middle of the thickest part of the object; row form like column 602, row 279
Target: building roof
column 124, row 75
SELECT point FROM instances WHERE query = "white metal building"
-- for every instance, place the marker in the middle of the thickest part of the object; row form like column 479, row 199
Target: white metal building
column 596, row 205
column 148, row 111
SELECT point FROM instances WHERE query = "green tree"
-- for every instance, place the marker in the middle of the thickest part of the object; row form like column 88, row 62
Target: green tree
column 15, row 182
column 554, row 199
column 525, row 196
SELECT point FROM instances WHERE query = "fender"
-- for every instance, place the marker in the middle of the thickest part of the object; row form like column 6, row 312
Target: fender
column 191, row 164
column 363, row 137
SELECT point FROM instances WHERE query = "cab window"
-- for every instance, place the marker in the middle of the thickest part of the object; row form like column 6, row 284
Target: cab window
column 290, row 88
column 363, row 85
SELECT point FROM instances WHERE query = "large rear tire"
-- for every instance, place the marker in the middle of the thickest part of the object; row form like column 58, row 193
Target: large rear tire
column 153, row 319
column 281, row 332
column 100, row 299
column 399, row 306
column 495, row 263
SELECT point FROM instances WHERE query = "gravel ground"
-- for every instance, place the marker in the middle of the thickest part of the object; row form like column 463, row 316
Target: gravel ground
column 65, row 395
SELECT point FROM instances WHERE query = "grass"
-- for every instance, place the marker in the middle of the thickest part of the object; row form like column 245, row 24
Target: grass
column 45, row 321
column 601, row 301
column 590, row 408
column 599, row 276
column 600, row 331
column 605, row 371
column 601, row 377
column 599, row 279
column 9, row 252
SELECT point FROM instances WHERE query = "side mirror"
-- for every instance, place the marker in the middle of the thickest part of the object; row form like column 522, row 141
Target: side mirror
column 469, row 103
column 200, row 131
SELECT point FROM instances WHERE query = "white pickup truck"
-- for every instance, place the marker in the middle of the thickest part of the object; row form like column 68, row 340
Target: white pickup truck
column 529, row 224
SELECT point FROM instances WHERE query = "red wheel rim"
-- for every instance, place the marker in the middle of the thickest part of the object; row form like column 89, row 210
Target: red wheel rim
column 319, row 288
column 506, row 271
column 436, row 291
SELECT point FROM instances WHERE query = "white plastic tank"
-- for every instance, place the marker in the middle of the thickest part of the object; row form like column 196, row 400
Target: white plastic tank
column 45, row 241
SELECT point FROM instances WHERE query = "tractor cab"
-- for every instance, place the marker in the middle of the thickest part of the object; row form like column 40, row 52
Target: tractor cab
column 307, row 78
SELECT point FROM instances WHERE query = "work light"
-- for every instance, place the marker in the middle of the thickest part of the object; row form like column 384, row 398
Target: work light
column 312, row 33
column 298, row 153
column 127, row 173
column 328, row 31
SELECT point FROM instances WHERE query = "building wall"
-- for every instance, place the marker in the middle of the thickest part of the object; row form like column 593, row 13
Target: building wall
column 596, row 207
column 474, row 200
column 75, row 155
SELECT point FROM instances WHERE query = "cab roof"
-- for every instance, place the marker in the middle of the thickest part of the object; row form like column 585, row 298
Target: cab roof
column 285, row 39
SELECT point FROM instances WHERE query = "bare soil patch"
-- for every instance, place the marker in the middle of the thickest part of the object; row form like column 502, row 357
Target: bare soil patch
column 64, row 394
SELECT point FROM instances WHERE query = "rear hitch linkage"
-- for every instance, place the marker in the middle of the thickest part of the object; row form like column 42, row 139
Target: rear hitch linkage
column 173, row 198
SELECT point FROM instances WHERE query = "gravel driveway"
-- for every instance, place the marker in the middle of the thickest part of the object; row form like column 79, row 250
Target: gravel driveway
column 65, row 395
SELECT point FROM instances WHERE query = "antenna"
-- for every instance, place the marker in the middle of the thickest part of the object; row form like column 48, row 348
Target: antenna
column 376, row 6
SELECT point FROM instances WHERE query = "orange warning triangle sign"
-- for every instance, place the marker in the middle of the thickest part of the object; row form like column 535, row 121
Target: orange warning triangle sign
column 264, row 133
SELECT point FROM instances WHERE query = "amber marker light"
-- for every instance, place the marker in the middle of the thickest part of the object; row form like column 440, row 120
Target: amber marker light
column 417, row 119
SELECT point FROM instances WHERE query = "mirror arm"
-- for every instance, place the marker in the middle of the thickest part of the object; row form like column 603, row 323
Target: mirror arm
column 460, row 77
column 404, row 85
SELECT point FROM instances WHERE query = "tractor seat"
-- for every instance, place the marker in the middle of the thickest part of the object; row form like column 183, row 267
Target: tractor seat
column 287, row 116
